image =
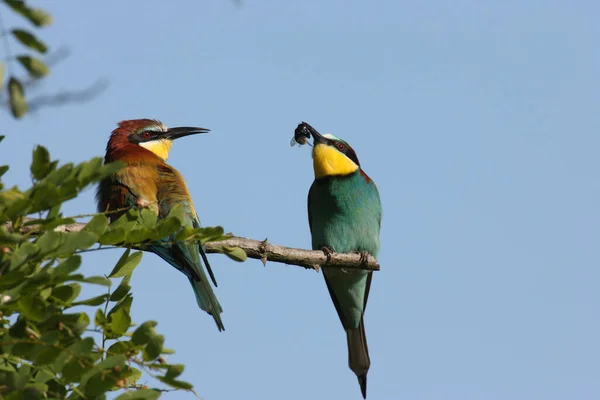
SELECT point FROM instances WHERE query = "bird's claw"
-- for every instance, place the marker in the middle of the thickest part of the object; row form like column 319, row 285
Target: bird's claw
column 364, row 258
column 328, row 252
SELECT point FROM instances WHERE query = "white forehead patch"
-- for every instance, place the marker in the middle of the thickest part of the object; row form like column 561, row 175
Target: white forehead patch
column 330, row 136
column 159, row 127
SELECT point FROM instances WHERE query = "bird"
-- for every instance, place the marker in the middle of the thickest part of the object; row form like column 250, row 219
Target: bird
column 344, row 214
column 147, row 181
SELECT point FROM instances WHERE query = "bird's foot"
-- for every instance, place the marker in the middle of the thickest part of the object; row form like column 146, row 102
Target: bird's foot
column 328, row 252
column 364, row 258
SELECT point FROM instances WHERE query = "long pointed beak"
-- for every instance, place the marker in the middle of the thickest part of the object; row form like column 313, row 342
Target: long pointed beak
column 318, row 138
column 176, row 133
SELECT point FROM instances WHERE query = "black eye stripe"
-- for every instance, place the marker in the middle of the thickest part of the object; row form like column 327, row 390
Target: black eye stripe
column 347, row 150
column 144, row 136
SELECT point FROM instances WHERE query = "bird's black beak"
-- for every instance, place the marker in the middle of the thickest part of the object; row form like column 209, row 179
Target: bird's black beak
column 176, row 133
column 318, row 138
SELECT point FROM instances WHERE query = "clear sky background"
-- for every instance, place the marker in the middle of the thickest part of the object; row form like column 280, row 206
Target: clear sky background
column 479, row 122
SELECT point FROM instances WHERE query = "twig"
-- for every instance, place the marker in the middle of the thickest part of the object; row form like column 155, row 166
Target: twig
column 259, row 250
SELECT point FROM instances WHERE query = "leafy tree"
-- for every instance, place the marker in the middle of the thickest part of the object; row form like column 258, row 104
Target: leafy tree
column 48, row 349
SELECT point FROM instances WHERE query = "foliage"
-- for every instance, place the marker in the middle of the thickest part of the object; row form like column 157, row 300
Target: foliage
column 49, row 348
column 35, row 67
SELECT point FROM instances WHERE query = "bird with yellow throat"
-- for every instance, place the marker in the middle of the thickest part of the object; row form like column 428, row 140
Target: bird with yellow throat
column 344, row 215
column 143, row 145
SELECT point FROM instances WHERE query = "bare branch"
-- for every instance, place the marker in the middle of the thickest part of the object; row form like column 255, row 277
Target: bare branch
column 261, row 250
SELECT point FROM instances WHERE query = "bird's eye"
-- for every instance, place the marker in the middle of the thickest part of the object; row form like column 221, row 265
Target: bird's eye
column 146, row 135
column 340, row 147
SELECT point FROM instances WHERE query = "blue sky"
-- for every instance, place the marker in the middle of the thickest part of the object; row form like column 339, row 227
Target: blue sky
column 477, row 120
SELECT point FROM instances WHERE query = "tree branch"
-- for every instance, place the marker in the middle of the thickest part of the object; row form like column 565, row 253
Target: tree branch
column 259, row 250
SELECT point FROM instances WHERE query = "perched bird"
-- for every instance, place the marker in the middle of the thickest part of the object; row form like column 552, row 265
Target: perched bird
column 344, row 214
column 147, row 181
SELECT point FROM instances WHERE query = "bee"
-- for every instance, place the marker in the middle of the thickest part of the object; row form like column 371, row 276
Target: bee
column 301, row 135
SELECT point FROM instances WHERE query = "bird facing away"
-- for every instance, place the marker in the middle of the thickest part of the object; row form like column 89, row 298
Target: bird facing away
column 344, row 214
column 147, row 181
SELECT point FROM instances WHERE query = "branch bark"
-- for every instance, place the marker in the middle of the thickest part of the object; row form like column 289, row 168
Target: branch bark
column 262, row 250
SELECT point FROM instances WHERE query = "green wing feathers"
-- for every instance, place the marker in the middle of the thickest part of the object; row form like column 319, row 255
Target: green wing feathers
column 186, row 259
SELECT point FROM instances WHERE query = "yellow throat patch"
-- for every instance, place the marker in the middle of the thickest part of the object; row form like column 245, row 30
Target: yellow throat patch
column 329, row 161
column 159, row 147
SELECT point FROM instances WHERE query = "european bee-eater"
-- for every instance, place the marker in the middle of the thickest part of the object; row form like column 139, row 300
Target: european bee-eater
column 344, row 214
column 147, row 181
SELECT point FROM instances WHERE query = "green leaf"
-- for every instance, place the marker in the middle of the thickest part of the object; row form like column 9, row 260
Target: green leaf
column 210, row 234
column 149, row 218
column 49, row 241
column 45, row 293
column 24, row 350
column 154, row 347
column 95, row 280
column 78, row 241
column 44, row 196
column 3, row 168
column 119, row 319
column 61, row 175
column 142, row 394
column 41, row 162
column 99, row 319
column 138, row 235
column 126, row 264
column 66, row 293
column 142, row 334
column 97, row 225
column 112, row 361
column 121, row 290
column 79, row 348
column 33, row 308
column 110, row 168
column 36, row 16
column 186, row 233
column 11, row 279
column 24, row 252
column 47, row 355
column 10, row 238
column 174, row 370
column 24, row 373
column 94, row 301
column 235, row 253
column 36, row 67
column 118, row 323
column 120, row 348
column 98, row 384
column 178, row 211
column 35, row 391
column 165, row 228
column 29, row 40
column 43, row 375
column 73, row 370
column 18, row 105
column 174, row 383
column 76, row 322
column 133, row 375
column 68, row 266
column 114, row 235
column 89, row 170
